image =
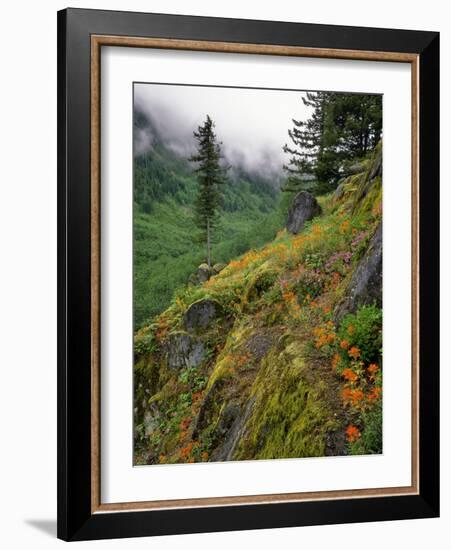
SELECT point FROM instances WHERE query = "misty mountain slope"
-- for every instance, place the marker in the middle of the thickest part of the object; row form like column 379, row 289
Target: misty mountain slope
column 277, row 356
column 166, row 248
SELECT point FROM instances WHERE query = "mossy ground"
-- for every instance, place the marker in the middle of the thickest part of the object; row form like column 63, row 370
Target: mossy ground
column 306, row 387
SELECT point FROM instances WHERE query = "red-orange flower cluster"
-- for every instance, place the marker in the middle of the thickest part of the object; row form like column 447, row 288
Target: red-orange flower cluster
column 350, row 375
column 354, row 352
column 352, row 433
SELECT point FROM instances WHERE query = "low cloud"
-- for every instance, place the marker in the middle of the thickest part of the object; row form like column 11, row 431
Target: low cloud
column 251, row 124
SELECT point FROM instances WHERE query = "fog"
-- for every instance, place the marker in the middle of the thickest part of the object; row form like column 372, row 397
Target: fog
column 252, row 124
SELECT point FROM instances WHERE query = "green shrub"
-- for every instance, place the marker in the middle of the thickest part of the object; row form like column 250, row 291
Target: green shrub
column 370, row 441
column 364, row 331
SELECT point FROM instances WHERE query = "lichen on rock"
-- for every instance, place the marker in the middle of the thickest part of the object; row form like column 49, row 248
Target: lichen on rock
column 201, row 314
column 184, row 351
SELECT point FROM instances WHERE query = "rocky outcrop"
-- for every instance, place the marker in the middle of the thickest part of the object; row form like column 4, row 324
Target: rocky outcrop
column 201, row 314
column 183, row 351
column 356, row 168
column 217, row 268
column 376, row 164
column 339, row 191
column 232, row 425
column 304, row 208
column 203, row 273
column 365, row 286
column 151, row 419
column 370, row 181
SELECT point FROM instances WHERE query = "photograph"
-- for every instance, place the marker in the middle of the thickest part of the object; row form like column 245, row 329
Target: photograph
column 257, row 273
column 248, row 272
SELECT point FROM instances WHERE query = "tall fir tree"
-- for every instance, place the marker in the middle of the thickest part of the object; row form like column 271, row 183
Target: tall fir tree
column 210, row 176
column 341, row 127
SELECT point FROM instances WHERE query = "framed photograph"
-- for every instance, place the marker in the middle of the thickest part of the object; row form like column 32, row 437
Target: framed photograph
column 248, row 274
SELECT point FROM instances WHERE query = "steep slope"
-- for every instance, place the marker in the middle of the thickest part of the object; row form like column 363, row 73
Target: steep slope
column 256, row 363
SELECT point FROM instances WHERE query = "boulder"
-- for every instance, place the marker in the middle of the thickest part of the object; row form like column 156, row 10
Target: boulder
column 217, row 268
column 200, row 314
column 356, row 167
column 184, row 351
column 304, row 208
column 365, row 286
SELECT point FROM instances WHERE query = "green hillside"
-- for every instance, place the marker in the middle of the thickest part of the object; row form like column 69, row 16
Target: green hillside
column 166, row 248
column 280, row 354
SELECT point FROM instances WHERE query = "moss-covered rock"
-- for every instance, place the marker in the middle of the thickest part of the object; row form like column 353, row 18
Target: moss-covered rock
column 201, row 314
column 291, row 415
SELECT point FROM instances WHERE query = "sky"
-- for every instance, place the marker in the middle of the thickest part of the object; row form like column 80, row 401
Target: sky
column 252, row 124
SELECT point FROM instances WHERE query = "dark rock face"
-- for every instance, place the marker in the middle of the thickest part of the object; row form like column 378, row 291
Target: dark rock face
column 200, row 276
column 356, row 168
column 200, row 314
column 259, row 344
column 370, row 178
column 233, row 425
column 304, row 208
column 204, row 417
column 151, row 419
column 376, row 168
column 365, row 286
column 203, row 273
column 184, row 351
column 339, row 192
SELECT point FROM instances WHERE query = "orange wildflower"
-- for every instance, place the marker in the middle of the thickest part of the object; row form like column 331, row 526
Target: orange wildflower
column 375, row 394
column 354, row 352
column 357, row 396
column 330, row 338
column 351, row 329
column 344, row 344
column 346, row 394
column 335, row 360
column 352, row 433
column 344, row 226
column 185, row 423
column 350, row 375
column 186, row 451
column 372, row 369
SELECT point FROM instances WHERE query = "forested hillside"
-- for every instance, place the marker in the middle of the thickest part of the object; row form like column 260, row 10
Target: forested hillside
column 166, row 248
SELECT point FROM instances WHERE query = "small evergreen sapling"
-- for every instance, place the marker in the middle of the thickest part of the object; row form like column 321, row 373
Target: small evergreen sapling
column 210, row 177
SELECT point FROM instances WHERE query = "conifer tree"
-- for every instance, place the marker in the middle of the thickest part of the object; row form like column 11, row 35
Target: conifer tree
column 308, row 147
column 340, row 128
column 210, row 176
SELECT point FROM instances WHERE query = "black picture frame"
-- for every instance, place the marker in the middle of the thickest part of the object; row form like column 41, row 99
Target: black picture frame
column 75, row 518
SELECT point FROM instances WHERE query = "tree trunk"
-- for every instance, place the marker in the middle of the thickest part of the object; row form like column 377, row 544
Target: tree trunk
column 208, row 245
